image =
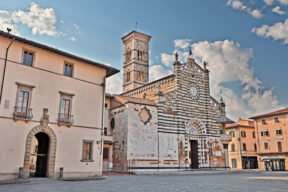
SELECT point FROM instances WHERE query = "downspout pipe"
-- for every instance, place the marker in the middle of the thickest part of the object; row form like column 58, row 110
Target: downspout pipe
column 4, row 70
column 102, row 120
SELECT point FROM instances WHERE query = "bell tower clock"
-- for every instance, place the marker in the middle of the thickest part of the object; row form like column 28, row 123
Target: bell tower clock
column 135, row 60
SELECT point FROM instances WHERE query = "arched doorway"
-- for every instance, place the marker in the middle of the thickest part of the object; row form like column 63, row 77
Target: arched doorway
column 39, row 155
column 41, row 150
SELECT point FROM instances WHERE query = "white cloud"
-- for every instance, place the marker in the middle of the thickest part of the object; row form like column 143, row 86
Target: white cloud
column 77, row 27
column 284, row 2
column 229, row 63
column 277, row 31
column 182, row 43
column 6, row 22
column 167, row 59
column 158, row 71
column 114, row 84
column 41, row 21
column 278, row 10
column 269, row 2
column 239, row 5
column 72, row 39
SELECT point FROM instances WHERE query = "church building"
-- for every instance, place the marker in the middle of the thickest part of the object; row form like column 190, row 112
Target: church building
column 170, row 123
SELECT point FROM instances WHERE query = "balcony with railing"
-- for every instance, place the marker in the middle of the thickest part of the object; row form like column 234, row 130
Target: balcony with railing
column 65, row 119
column 22, row 113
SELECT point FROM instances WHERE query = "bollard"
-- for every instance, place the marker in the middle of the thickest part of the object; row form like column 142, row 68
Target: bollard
column 61, row 173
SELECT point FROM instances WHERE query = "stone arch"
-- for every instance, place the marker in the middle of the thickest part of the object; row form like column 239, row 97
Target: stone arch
column 51, row 154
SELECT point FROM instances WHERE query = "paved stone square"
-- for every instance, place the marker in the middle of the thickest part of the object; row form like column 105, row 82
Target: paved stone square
column 199, row 181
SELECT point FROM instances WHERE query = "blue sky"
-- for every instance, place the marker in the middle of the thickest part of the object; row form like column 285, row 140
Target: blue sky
column 235, row 37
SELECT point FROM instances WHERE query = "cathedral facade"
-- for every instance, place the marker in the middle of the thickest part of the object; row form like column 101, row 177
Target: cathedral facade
column 172, row 122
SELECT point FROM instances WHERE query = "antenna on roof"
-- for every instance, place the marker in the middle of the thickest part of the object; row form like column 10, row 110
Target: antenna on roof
column 9, row 30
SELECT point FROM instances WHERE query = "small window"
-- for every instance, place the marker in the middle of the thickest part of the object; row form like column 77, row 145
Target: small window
column 253, row 134
column 106, row 153
column 112, row 123
column 244, row 147
column 264, row 121
column 128, row 55
column 105, row 131
column 279, row 132
column 265, row 133
column 128, row 76
column 87, row 150
column 266, row 146
column 28, row 58
column 276, row 120
column 140, row 55
column 243, row 134
column 106, row 105
column 232, row 147
column 255, row 147
column 140, row 75
column 232, row 133
column 68, row 69
column 279, row 146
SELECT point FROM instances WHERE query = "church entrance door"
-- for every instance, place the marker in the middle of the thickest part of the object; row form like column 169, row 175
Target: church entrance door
column 194, row 154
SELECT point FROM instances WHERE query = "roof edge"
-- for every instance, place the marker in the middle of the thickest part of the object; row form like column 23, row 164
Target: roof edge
column 109, row 70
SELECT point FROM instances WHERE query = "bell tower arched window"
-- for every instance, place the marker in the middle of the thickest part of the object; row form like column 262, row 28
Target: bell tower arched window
column 128, row 76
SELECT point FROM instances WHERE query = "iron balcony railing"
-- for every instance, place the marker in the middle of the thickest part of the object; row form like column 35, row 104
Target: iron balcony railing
column 22, row 113
column 65, row 119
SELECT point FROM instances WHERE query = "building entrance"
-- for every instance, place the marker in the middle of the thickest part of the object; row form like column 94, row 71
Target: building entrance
column 194, row 154
column 39, row 155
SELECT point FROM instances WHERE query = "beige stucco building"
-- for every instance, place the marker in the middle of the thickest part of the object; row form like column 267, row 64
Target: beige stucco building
column 243, row 148
column 272, row 139
column 50, row 111
column 170, row 123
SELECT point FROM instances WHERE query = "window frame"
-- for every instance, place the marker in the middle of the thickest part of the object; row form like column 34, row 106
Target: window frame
column 69, row 64
column 91, row 142
column 267, row 146
column 243, row 135
column 233, row 133
column 244, row 147
column 128, row 76
column 276, row 119
column 33, row 57
column 265, row 133
column 254, row 134
column 232, row 147
column 105, row 131
column 263, row 121
column 22, row 87
column 66, row 96
column 277, row 134
column 279, row 151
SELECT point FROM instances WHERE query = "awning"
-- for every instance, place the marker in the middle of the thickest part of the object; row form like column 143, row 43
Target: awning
column 273, row 158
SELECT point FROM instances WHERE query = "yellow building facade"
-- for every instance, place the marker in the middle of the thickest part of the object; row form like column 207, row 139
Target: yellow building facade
column 272, row 140
column 242, row 149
